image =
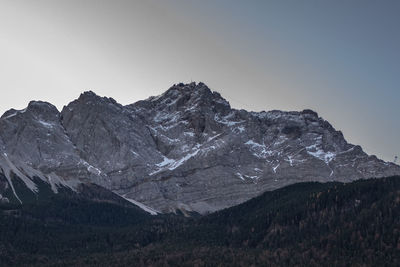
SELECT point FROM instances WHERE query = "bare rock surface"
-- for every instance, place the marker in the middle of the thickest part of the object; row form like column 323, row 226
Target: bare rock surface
column 185, row 149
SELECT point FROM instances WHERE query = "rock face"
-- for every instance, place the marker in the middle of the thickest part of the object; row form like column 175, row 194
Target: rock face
column 185, row 149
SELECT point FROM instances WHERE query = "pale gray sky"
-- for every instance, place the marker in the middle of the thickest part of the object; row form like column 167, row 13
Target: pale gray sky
column 339, row 58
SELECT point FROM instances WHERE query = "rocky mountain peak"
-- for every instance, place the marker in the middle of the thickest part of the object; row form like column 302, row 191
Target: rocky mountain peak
column 190, row 97
column 184, row 149
column 88, row 94
column 38, row 110
column 310, row 112
column 41, row 107
column 43, row 111
column 90, row 106
column 90, row 97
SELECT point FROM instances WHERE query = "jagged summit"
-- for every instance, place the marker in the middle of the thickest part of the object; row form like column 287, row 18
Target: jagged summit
column 88, row 94
column 43, row 111
column 41, row 106
column 185, row 96
column 184, row 149
column 90, row 97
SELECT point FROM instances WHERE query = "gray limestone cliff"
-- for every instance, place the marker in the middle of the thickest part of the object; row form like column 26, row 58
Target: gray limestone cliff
column 185, row 149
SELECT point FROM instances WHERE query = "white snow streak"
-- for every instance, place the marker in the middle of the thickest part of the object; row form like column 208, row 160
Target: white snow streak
column 16, row 113
column 276, row 167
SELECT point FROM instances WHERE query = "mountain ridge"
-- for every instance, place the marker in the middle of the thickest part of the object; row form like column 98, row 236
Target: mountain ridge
column 185, row 149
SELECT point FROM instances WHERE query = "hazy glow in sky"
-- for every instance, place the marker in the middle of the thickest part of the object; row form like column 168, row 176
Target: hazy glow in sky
column 340, row 58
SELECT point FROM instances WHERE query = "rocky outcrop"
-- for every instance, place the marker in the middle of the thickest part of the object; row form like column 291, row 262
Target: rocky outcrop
column 185, row 149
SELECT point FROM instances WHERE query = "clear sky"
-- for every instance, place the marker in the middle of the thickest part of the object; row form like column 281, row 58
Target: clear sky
column 339, row 58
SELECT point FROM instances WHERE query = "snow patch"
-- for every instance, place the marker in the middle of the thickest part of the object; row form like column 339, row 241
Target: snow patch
column 90, row 168
column 178, row 163
column 213, row 137
column 240, row 129
column 240, row 176
column 166, row 161
column 318, row 153
column 276, row 167
column 244, row 176
column 189, row 134
column 172, row 164
column 46, row 124
column 280, row 140
column 259, row 150
column 225, row 120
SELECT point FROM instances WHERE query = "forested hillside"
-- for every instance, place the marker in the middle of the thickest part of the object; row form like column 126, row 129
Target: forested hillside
column 330, row 224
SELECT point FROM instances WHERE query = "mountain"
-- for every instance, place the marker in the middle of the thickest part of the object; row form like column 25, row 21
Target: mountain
column 305, row 224
column 186, row 150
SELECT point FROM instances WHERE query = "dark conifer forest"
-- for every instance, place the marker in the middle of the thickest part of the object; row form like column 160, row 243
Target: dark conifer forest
column 312, row 224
